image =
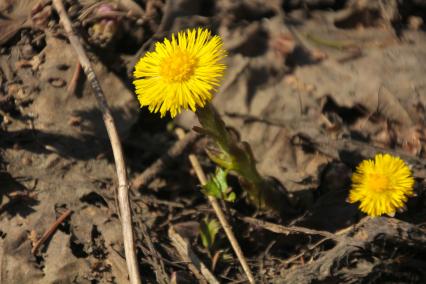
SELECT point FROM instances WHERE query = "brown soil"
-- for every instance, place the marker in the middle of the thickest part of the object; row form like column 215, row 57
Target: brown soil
column 314, row 87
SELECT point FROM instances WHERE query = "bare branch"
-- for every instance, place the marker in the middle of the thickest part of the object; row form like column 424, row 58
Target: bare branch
column 123, row 186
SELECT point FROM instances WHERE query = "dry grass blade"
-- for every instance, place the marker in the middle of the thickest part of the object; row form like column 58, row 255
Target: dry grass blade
column 195, row 264
column 123, row 186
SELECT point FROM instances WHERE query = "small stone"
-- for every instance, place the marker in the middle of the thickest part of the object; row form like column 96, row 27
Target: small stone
column 414, row 23
column 291, row 80
column 6, row 120
column 26, row 161
column 74, row 121
column 57, row 82
column 310, row 88
column 27, row 51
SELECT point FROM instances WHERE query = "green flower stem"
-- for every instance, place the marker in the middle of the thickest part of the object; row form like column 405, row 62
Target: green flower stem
column 237, row 156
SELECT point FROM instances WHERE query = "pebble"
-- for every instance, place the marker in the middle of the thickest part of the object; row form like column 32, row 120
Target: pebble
column 57, row 82
column 26, row 161
column 414, row 23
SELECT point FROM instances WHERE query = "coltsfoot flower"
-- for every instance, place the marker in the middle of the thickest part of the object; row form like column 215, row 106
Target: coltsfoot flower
column 180, row 73
column 382, row 185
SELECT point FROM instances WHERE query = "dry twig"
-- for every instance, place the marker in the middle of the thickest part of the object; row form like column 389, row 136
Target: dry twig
column 219, row 213
column 123, row 186
column 279, row 229
column 50, row 230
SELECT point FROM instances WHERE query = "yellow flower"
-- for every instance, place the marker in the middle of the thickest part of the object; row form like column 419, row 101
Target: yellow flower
column 181, row 73
column 381, row 185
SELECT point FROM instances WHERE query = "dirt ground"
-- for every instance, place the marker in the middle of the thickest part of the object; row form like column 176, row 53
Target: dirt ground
column 314, row 86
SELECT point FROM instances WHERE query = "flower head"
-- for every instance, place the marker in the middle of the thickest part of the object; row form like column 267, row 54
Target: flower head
column 181, row 73
column 381, row 185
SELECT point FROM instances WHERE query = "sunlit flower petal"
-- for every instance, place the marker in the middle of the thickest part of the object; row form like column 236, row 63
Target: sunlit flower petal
column 180, row 73
column 382, row 185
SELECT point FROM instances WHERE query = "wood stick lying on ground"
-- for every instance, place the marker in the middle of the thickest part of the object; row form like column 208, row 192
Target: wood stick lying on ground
column 123, row 186
column 219, row 213
column 279, row 229
column 49, row 232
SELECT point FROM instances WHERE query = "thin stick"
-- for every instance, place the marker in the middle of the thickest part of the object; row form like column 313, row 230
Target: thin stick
column 279, row 229
column 123, row 186
column 50, row 230
column 220, row 215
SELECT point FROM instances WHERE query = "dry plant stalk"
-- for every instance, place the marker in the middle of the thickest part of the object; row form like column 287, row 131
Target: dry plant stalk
column 194, row 263
column 237, row 156
column 219, row 213
column 123, row 185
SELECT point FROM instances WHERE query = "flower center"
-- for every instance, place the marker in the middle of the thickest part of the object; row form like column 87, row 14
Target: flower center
column 178, row 67
column 379, row 182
